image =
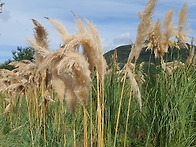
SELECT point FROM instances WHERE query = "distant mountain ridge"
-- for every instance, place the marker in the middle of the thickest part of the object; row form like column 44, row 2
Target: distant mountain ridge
column 145, row 55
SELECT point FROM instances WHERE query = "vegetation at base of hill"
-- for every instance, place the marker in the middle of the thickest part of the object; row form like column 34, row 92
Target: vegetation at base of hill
column 26, row 53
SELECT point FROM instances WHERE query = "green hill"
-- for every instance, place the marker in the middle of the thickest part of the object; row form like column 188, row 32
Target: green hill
column 145, row 55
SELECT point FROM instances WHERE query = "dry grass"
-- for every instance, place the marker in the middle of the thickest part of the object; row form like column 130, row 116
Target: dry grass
column 182, row 31
column 156, row 42
column 69, row 69
column 168, row 28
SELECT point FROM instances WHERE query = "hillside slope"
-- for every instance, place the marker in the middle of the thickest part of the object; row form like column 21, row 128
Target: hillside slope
column 145, row 55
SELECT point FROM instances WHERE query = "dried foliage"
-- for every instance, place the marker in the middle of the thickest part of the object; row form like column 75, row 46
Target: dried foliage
column 142, row 34
column 190, row 58
column 156, row 42
column 168, row 28
column 135, row 87
column 10, row 81
column 66, row 70
column 181, row 33
column 160, row 40
column 69, row 69
column 143, row 28
column 40, row 35
column 170, row 67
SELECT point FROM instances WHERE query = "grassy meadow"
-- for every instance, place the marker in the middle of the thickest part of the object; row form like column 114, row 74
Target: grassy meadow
column 69, row 98
column 167, row 117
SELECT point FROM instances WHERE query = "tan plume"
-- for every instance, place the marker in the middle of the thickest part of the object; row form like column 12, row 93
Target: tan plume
column 40, row 35
column 143, row 29
column 182, row 31
column 156, row 42
column 168, row 28
column 135, row 87
column 60, row 28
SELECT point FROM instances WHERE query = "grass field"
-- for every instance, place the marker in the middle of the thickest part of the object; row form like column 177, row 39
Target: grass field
column 70, row 98
column 167, row 117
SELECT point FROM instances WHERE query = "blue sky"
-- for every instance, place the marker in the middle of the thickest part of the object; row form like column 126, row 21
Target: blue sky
column 116, row 20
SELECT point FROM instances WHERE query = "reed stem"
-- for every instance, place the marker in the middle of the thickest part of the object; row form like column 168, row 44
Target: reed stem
column 125, row 139
column 99, row 114
column 85, row 126
column 31, row 130
column 119, row 108
column 74, row 130
column 91, row 117
column 63, row 117
column 102, row 108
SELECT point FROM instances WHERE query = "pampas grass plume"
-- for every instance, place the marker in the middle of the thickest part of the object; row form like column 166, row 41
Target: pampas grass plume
column 168, row 28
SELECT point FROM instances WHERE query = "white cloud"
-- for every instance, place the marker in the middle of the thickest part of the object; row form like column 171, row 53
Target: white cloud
column 112, row 43
column 122, row 39
column 106, row 44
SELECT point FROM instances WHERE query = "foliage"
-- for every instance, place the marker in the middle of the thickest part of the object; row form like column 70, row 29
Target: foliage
column 6, row 65
column 26, row 53
column 1, row 5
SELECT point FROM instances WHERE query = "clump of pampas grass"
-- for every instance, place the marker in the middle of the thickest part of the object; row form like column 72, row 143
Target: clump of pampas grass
column 160, row 40
column 11, row 85
column 156, row 40
column 10, row 81
column 70, row 70
column 142, row 34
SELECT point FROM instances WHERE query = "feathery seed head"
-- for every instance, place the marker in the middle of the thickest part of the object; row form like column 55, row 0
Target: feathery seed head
column 181, row 33
column 156, row 42
column 143, row 28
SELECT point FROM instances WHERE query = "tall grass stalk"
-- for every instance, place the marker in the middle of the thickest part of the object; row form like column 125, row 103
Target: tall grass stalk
column 171, row 107
column 85, row 126
column 91, row 116
column 63, row 120
column 74, row 130
column 11, row 110
column 125, row 138
column 103, row 109
column 36, row 105
column 43, row 105
column 0, row 102
column 119, row 108
column 99, row 113
column 44, row 124
column 40, row 119
column 30, row 123
column 20, row 107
